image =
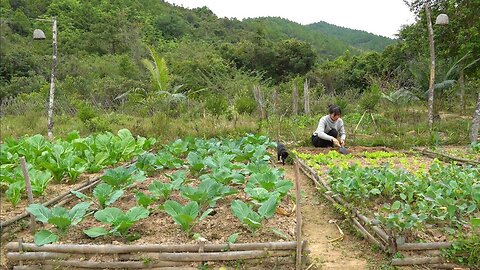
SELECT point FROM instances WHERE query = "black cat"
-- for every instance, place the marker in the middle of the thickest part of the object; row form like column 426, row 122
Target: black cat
column 282, row 152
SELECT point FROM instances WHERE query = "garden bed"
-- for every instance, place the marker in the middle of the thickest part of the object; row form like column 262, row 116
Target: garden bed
column 433, row 204
column 240, row 209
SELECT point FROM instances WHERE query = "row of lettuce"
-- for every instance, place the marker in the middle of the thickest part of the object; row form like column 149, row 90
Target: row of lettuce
column 186, row 180
column 443, row 197
column 443, row 194
column 63, row 160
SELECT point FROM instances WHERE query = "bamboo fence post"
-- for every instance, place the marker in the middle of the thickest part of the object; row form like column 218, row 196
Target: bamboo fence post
column 275, row 102
column 306, row 97
column 295, row 99
column 260, row 103
column 28, row 188
column 298, row 212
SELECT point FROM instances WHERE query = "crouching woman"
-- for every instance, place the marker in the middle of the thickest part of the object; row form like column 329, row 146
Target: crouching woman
column 330, row 131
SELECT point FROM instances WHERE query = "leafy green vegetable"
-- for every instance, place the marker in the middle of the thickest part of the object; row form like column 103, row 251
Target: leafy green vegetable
column 121, row 177
column 120, row 223
column 208, row 192
column 184, row 215
column 39, row 181
column 59, row 217
column 144, row 199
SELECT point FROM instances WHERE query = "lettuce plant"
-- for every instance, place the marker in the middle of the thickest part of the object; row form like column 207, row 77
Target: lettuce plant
column 251, row 218
column 120, row 222
column 184, row 215
column 121, row 177
column 62, row 219
column 104, row 194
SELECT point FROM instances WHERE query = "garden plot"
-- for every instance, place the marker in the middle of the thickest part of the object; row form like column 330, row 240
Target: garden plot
column 409, row 198
column 56, row 168
column 222, row 191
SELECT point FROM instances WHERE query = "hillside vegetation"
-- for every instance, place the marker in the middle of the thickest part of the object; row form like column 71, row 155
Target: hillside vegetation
column 150, row 64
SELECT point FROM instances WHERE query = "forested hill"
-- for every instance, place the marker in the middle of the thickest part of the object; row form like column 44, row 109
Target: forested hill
column 109, row 39
column 327, row 39
column 355, row 38
column 327, row 46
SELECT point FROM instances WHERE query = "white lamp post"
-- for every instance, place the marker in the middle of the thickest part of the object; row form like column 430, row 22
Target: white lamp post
column 39, row 35
column 442, row 19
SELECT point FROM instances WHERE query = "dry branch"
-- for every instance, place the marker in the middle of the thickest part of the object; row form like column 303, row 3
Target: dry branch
column 378, row 231
column 105, row 265
column 35, row 256
column 116, row 249
column 366, row 234
column 424, row 246
column 51, row 267
column 436, row 154
column 417, row 260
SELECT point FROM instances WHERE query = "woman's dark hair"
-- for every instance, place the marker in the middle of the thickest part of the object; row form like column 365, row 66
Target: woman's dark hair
column 334, row 109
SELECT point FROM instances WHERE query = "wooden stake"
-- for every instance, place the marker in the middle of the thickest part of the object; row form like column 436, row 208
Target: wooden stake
column 298, row 230
column 28, row 188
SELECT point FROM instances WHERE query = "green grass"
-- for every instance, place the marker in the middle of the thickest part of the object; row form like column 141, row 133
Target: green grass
column 407, row 130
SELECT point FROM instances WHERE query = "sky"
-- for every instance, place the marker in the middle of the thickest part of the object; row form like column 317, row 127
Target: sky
column 381, row 17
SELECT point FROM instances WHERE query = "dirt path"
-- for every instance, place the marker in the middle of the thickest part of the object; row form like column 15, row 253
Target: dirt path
column 349, row 253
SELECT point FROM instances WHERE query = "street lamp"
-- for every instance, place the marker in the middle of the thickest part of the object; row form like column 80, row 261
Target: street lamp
column 39, row 35
column 442, row 19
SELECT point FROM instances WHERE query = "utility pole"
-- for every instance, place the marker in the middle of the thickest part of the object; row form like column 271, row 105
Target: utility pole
column 431, row 86
column 38, row 34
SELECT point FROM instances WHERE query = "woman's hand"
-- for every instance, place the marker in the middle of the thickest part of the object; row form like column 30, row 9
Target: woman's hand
column 342, row 142
column 335, row 142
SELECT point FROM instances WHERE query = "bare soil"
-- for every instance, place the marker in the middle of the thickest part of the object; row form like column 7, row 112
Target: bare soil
column 318, row 229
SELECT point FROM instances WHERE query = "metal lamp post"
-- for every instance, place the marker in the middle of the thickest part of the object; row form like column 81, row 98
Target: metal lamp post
column 442, row 19
column 39, row 35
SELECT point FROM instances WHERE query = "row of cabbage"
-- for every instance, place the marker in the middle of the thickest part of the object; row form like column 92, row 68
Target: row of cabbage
column 444, row 195
column 201, row 172
column 63, row 160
